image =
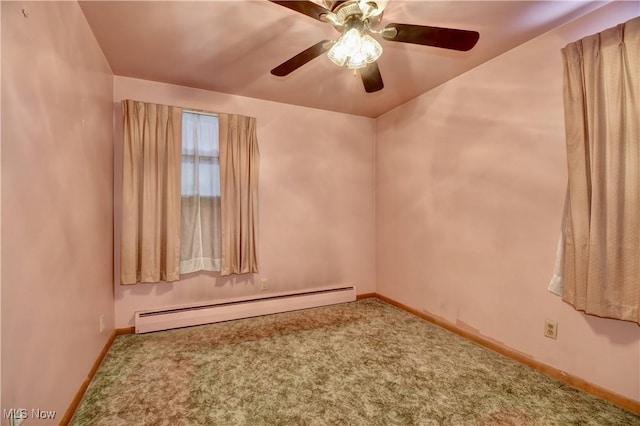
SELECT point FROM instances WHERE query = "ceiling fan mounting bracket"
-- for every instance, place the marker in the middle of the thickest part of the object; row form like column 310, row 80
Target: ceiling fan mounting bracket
column 389, row 32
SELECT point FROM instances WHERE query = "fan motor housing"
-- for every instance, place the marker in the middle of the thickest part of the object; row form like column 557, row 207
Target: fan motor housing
column 349, row 11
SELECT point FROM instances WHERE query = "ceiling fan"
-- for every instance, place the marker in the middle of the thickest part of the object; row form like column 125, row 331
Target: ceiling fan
column 356, row 21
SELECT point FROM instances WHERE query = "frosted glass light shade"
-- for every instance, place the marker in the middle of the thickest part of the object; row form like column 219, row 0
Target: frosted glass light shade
column 354, row 50
column 371, row 48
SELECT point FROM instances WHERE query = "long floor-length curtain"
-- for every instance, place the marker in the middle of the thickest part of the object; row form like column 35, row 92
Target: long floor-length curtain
column 200, row 231
column 150, row 248
column 239, row 168
column 602, row 114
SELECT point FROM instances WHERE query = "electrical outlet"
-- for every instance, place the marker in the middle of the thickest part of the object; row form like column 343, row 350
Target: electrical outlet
column 101, row 323
column 551, row 329
column 264, row 284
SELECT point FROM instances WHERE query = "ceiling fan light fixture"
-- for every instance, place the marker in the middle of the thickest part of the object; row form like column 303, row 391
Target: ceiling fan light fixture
column 355, row 50
column 356, row 22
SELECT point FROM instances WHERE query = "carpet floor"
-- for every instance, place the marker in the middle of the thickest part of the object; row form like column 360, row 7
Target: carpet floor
column 361, row 363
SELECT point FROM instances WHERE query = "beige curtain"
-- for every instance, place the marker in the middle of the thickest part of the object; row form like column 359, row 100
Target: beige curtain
column 239, row 167
column 602, row 114
column 150, row 248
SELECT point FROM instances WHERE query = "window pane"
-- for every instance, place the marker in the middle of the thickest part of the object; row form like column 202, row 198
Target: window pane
column 189, row 186
column 200, row 152
column 209, row 178
column 200, row 134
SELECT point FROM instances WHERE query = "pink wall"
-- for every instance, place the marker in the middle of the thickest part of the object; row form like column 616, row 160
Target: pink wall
column 316, row 200
column 57, row 174
column 470, row 181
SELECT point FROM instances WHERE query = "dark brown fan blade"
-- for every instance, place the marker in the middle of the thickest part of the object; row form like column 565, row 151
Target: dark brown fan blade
column 446, row 38
column 371, row 78
column 305, row 7
column 300, row 59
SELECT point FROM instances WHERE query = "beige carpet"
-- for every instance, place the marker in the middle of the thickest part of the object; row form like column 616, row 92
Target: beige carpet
column 362, row 363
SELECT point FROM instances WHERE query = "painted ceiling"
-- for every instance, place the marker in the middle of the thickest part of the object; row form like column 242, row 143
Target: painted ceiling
column 231, row 46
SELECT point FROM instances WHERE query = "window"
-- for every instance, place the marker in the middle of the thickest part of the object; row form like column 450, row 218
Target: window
column 175, row 165
column 200, row 238
column 598, row 270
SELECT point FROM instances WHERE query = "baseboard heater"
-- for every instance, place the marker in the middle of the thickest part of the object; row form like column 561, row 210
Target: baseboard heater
column 185, row 316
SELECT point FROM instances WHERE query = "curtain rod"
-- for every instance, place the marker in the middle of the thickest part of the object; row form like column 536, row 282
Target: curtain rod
column 195, row 111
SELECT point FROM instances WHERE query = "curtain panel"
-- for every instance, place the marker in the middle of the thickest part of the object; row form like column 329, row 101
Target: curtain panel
column 601, row 273
column 151, row 162
column 239, row 168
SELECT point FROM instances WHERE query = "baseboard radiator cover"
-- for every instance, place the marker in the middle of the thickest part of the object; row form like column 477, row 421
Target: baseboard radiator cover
column 189, row 315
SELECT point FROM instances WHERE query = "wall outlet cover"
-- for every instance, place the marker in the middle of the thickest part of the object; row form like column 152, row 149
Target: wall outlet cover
column 551, row 329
